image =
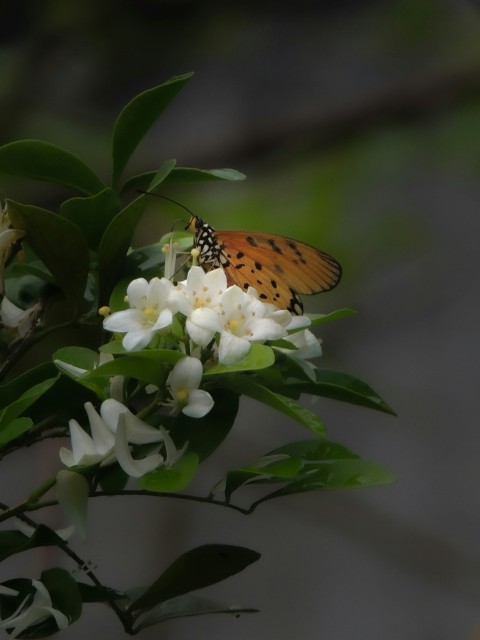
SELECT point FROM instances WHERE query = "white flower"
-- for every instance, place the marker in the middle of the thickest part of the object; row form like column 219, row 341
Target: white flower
column 39, row 610
column 149, row 313
column 88, row 449
column 307, row 346
column 112, row 433
column 245, row 319
column 19, row 321
column 198, row 298
column 183, row 381
column 133, row 467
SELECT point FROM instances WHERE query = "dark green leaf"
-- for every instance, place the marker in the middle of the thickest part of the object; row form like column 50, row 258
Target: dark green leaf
column 337, row 474
column 184, row 606
column 59, row 243
column 12, row 542
column 112, row 478
column 25, row 381
column 205, row 434
column 293, row 461
column 150, row 180
column 63, row 401
column 195, row 569
column 21, row 404
column 147, row 365
column 173, row 478
column 245, row 385
column 64, row 592
column 44, row 161
column 343, row 387
column 137, row 118
column 14, row 430
column 161, row 175
column 181, row 175
column 189, row 174
column 90, row 593
column 115, row 243
column 260, row 356
column 92, row 214
column 79, row 357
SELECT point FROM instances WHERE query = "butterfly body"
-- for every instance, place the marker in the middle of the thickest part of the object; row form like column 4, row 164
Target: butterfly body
column 279, row 268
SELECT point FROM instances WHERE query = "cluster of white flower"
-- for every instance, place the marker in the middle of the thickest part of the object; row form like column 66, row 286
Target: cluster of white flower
column 26, row 615
column 225, row 319
column 212, row 309
column 112, row 432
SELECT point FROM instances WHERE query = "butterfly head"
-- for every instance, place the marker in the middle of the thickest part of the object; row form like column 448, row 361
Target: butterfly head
column 194, row 224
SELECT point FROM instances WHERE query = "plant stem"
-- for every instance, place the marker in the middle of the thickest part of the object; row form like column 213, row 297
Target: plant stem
column 177, row 496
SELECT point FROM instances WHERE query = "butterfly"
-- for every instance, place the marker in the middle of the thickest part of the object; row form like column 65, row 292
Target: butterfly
column 279, row 268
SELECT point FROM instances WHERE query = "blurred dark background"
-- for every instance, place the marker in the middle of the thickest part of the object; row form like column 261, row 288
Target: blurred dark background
column 358, row 125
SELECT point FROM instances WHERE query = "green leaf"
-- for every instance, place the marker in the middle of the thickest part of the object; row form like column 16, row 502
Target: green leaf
column 64, row 592
column 162, row 174
column 290, row 462
column 92, row 214
column 323, row 318
column 181, row 175
column 343, row 387
column 245, row 385
column 21, row 404
column 137, row 118
column 78, row 357
column 260, row 356
column 25, row 381
column 189, row 174
column 12, row 542
column 150, row 369
column 115, row 243
column 90, row 593
column 173, row 478
column 59, row 243
column 205, row 434
column 44, row 161
column 337, row 474
column 14, row 430
column 187, row 605
column 195, row 569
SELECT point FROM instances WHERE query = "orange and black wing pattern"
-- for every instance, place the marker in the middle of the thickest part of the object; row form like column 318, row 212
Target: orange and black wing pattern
column 279, row 268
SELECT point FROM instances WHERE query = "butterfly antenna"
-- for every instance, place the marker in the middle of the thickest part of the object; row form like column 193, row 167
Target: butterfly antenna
column 158, row 195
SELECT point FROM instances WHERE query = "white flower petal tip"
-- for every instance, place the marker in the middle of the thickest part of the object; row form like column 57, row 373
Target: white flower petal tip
column 72, row 492
column 133, row 467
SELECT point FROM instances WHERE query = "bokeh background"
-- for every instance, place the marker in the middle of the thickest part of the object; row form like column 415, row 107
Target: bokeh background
column 358, row 125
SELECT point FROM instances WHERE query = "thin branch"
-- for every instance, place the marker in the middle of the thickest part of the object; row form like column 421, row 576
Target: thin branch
column 175, row 496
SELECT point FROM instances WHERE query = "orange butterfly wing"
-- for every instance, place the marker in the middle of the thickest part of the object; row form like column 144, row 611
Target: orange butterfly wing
column 279, row 268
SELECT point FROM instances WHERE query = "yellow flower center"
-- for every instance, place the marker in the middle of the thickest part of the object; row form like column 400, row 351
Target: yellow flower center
column 182, row 395
column 150, row 313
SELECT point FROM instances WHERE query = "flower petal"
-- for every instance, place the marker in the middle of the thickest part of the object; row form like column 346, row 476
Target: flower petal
column 72, row 494
column 231, row 348
column 134, row 468
column 200, row 402
column 186, row 374
column 102, row 436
